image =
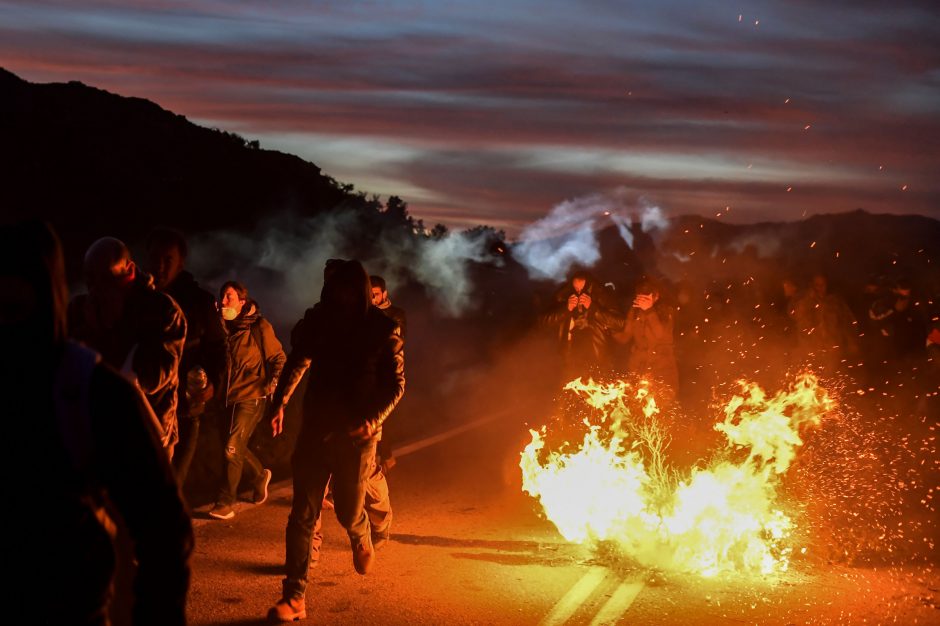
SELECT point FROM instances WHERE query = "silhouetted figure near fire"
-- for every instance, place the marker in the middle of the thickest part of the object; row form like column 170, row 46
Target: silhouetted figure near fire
column 827, row 333
column 137, row 329
column 79, row 435
column 649, row 329
column 254, row 360
column 898, row 324
column 356, row 363
column 583, row 320
column 203, row 359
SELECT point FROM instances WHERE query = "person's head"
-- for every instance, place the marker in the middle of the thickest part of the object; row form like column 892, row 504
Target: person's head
column 648, row 287
column 346, row 291
column 33, row 291
column 789, row 287
column 109, row 268
column 166, row 255
column 233, row 296
column 379, row 290
column 579, row 281
column 820, row 284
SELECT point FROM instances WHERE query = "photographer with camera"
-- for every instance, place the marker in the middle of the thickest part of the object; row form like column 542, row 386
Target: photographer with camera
column 649, row 326
column 582, row 319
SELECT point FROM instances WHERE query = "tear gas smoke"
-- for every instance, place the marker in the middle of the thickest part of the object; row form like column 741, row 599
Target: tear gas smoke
column 282, row 261
column 567, row 236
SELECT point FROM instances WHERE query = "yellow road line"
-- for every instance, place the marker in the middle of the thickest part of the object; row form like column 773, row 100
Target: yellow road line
column 618, row 604
column 572, row 601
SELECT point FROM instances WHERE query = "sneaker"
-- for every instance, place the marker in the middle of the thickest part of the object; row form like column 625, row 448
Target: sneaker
column 363, row 555
column 222, row 511
column 261, row 487
column 288, row 610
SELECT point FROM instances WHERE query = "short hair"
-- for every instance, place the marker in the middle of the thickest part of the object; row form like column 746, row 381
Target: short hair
column 648, row 285
column 378, row 281
column 240, row 290
column 167, row 238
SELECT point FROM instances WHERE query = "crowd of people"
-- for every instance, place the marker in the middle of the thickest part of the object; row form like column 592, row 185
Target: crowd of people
column 118, row 381
column 120, row 377
column 666, row 332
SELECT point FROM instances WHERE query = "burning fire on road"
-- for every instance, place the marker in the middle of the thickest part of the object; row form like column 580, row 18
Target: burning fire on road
column 618, row 486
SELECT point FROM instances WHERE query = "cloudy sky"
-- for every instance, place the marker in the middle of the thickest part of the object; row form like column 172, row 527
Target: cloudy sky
column 494, row 111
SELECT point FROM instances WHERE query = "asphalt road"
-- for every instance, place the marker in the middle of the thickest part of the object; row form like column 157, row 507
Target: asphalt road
column 469, row 547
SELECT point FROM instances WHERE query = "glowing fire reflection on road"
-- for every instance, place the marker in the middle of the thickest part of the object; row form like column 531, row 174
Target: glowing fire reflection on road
column 618, row 486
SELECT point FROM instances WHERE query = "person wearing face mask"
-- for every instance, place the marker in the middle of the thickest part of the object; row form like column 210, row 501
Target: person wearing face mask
column 357, row 377
column 83, row 441
column 137, row 329
column 254, row 360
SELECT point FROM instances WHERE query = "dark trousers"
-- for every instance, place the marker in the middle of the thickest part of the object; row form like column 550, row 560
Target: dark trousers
column 314, row 463
column 243, row 418
column 186, row 447
column 377, row 505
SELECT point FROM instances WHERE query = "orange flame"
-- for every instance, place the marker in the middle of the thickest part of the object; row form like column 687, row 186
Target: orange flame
column 618, row 487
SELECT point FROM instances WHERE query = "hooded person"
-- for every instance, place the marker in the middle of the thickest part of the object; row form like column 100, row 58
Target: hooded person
column 356, row 363
column 83, row 436
column 136, row 329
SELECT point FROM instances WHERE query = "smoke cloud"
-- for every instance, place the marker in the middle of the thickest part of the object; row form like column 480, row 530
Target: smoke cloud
column 567, row 236
column 282, row 261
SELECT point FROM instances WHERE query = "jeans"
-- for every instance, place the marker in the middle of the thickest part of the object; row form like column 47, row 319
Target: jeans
column 244, row 418
column 314, row 462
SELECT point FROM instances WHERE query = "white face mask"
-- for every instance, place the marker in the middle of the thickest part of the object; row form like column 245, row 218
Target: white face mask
column 228, row 313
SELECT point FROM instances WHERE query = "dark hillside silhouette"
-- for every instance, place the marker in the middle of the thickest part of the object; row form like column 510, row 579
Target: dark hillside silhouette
column 95, row 162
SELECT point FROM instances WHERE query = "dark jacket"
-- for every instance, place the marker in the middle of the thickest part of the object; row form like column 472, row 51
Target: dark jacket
column 652, row 350
column 151, row 332
column 356, row 375
column 252, row 368
column 398, row 314
column 205, row 334
column 583, row 334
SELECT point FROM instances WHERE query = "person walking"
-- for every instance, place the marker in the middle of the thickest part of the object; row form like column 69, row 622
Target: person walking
column 254, row 360
column 357, row 377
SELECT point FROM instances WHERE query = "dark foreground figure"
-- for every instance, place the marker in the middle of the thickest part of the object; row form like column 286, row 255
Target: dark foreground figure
column 356, row 363
column 79, row 437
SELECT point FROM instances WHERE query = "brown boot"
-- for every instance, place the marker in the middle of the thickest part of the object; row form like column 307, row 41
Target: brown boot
column 363, row 554
column 288, row 610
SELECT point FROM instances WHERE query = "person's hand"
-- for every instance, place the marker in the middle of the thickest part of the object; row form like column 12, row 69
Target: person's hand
column 643, row 301
column 363, row 432
column 206, row 394
column 585, row 300
column 572, row 302
column 277, row 422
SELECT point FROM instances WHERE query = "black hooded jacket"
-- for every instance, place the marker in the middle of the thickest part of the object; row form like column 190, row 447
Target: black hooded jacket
column 356, row 363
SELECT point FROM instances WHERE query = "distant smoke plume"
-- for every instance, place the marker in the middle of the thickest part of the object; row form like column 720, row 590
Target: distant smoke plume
column 567, row 236
column 441, row 266
column 282, row 262
column 767, row 244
